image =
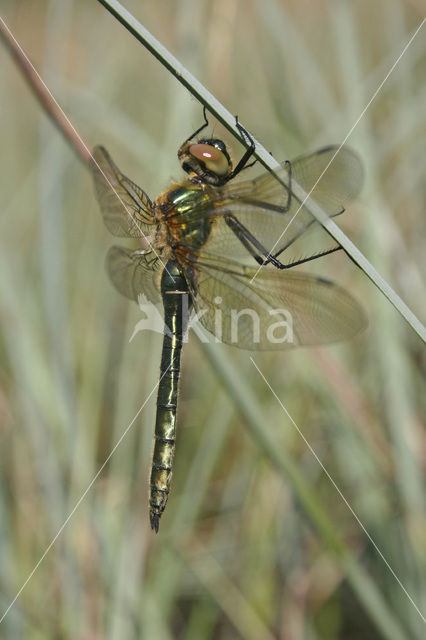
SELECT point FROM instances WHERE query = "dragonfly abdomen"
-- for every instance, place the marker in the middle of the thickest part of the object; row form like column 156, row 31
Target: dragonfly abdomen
column 176, row 302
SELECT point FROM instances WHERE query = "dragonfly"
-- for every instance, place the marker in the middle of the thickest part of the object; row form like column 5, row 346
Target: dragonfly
column 227, row 250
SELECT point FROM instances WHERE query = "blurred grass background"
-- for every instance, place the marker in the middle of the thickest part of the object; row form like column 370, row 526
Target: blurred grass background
column 255, row 543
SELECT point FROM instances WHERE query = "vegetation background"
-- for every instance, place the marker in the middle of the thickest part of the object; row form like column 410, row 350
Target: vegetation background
column 256, row 542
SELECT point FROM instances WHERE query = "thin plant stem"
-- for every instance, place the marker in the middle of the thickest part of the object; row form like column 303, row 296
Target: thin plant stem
column 47, row 101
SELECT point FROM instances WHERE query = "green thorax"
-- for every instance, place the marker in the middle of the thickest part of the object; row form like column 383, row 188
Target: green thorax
column 189, row 216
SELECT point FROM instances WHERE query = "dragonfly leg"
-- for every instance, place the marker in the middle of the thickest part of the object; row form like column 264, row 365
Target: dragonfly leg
column 295, row 263
column 252, row 244
column 258, row 251
column 242, row 164
column 272, row 206
column 288, row 166
column 203, row 126
column 302, row 231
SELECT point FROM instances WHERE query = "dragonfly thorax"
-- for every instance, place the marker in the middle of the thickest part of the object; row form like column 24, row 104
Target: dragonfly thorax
column 184, row 227
column 206, row 161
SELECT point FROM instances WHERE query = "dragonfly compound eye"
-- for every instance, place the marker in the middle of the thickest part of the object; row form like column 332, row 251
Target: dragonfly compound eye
column 213, row 159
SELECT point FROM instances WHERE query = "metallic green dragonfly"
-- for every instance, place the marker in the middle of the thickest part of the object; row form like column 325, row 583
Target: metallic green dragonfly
column 227, row 250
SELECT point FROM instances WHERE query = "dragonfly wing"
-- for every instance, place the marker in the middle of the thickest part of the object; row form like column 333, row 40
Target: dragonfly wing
column 276, row 219
column 275, row 310
column 335, row 175
column 126, row 208
column 134, row 273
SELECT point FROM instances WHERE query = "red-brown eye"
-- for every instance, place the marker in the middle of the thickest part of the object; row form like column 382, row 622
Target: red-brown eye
column 213, row 159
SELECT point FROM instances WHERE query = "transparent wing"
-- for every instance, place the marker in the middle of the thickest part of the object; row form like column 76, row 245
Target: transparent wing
column 276, row 310
column 125, row 207
column 269, row 212
column 133, row 273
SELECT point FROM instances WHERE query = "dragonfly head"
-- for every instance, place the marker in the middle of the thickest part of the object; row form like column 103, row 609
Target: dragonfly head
column 206, row 161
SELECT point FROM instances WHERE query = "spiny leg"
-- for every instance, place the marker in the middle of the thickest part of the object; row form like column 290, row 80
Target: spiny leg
column 254, row 247
column 203, row 126
column 242, row 164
